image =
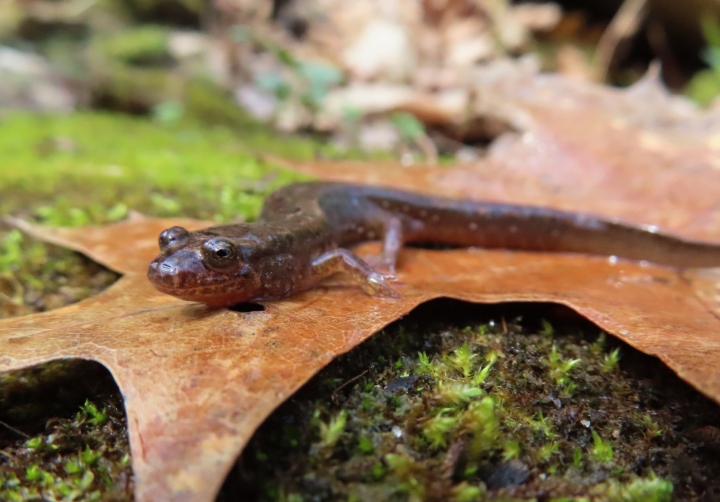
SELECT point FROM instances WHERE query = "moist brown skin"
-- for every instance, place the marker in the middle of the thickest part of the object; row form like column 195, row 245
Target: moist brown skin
column 304, row 228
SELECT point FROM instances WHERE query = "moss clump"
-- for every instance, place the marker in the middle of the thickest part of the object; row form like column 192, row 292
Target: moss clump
column 140, row 45
column 67, row 447
column 488, row 408
column 35, row 276
column 97, row 161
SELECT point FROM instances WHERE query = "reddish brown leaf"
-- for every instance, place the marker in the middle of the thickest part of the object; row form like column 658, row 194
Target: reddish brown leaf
column 197, row 382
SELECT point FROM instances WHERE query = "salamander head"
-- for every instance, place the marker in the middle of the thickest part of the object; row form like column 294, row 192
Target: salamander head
column 205, row 266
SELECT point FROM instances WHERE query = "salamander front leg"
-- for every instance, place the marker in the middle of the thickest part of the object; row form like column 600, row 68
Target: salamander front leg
column 341, row 260
column 391, row 245
column 392, row 242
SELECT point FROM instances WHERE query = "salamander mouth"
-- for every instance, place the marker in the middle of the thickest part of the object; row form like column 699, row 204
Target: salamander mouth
column 184, row 293
column 216, row 295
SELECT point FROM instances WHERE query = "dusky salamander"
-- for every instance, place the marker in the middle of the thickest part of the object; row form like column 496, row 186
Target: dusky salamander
column 303, row 231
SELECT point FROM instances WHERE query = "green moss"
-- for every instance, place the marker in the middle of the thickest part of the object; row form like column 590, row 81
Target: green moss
column 601, row 450
column 63, row 451
column 611, row 361
column 647, row 489
column 159, row 169
column 331, row 431
column 704, row 87
column 559, row 368
column 431, row 428
column 35, row 276
column 138, row 45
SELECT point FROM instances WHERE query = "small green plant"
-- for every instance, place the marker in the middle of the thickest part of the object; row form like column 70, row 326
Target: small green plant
column 577, row 460
column 425, row 366
column 511, row 449
column 88, row 456
column 11, row 253
column 601, row 450
column 650, row 489
column 307, row 81
column 652, row 429
column 235, row 201
column 35, row 443
column 482, row 374
column 117, row 212
column 168, row 112
column 548, row 450
column 611, row 361
column 483, row 423
column 705, row 85
column 465, row 492
column 293, row 497
column 142, row 44
column 547, row 328
column 365, row 445
column 403, row 467
column 94, row 415
column 408, row 126
column 456, row 393
column 377, row 471
column 330, row 433
column 600, row 342
column 438, row 428
column 542, row 426
column 462, row 360
column 560, row 369
column 61, row 216
column 165, row 205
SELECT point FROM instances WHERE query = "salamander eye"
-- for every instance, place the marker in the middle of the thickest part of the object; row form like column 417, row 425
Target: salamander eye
column 171, row 235
column 219, row 253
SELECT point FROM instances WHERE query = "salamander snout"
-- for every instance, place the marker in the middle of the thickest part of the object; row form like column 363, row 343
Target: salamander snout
column 180, row 270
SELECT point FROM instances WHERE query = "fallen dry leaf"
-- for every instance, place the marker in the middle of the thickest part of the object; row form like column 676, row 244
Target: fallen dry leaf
column 197, row 382
column 638, row 154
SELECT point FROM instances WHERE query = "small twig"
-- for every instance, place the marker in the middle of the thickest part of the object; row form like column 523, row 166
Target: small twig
column 447, row 468
column 624, row 25
column 13, row 429
column 333, row 397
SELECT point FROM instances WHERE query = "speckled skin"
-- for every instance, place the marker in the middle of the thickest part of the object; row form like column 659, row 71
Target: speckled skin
column 303, row 229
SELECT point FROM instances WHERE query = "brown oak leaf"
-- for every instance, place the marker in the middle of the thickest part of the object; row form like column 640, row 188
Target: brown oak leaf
column 197, row 382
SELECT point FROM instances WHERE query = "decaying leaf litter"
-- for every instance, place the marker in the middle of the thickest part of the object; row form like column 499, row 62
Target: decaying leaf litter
column 514, row 118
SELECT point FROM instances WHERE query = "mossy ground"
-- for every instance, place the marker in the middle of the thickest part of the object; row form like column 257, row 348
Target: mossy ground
column 68, row 438
column 74, row 170
column 486, row 406
column 513, row 402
